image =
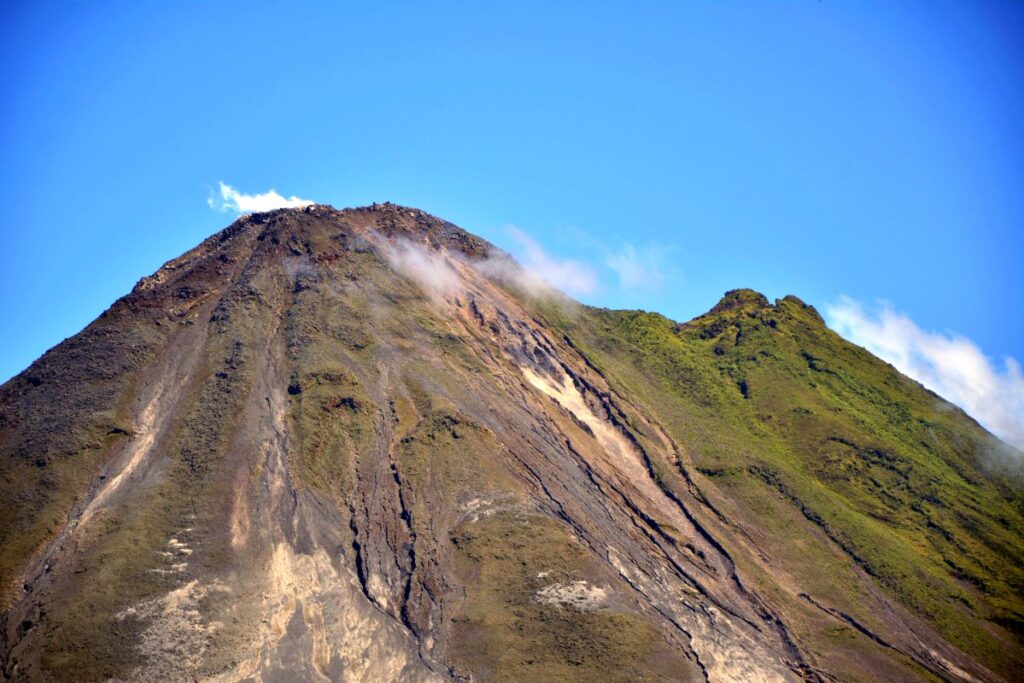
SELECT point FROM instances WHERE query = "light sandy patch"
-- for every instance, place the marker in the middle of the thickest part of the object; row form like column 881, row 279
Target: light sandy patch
column 379, row 590
column 481, row 508
column 951, row 667
column 176, row 636
column 621, row 452
column 579, row 594
column 569, row 397
column 339, row 628
column 138, row 448
column 239, row 519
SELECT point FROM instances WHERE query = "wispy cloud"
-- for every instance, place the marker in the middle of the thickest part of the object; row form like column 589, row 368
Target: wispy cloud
column 427, row 268
column 229, row 199
column 569, row 275
column 638, row 268
column 950, row 365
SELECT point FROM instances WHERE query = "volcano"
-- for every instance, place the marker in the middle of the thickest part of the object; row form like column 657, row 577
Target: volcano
column 366, row 445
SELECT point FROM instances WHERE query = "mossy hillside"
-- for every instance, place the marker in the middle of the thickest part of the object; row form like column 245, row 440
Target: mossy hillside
column 450, row 466
column 60, row 444
column 333, row 424
column 338, row 337
column 63, row 418
column 774, row 406
column 505, row 559
column 331, row 412
column 891, row 452
column 449, row 457
column 328, row 339
column 123, row 564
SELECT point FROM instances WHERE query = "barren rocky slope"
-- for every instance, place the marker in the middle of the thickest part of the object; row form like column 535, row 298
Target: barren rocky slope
column 360, row 445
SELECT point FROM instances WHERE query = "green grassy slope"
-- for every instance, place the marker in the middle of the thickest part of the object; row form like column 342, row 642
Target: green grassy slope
column 778, row 411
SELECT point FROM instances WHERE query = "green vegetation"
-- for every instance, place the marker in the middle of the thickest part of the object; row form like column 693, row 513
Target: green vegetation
column 45, row 470
column 775, row 408
column 126, row 558
column 506, row 559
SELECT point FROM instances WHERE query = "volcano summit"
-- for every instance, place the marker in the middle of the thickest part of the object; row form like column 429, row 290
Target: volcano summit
column 365, row 445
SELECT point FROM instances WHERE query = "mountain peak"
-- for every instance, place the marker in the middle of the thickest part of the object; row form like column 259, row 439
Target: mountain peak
column 740, row 298
column 740, row 308
column 392, row 221
column 301, row 439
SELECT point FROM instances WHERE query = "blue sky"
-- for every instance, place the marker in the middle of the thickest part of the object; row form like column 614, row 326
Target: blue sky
column 667, row 151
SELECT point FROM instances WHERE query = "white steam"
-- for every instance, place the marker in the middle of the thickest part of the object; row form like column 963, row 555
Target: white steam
column 437, row 272
column 230, row 199
column 429, row 269
column 505, row 270
column 638, row 268
column 540, row 269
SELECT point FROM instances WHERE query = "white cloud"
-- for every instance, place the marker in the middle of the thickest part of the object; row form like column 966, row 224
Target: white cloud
column 569, row 275
column 428, row 269
column 950, row 365
column 231, row 199
column 638, row 268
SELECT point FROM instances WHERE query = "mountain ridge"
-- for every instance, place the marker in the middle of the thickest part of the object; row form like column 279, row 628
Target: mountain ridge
column 334, row 444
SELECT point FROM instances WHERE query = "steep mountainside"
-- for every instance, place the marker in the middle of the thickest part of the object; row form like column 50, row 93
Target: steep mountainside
column 361, row 445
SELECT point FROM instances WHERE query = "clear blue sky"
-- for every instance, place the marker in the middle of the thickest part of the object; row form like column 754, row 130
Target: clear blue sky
column 824, row 148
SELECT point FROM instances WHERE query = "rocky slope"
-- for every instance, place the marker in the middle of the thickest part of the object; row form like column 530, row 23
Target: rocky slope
column 361, row 445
